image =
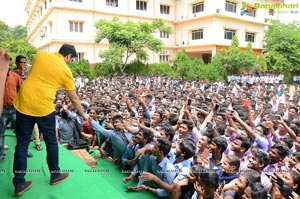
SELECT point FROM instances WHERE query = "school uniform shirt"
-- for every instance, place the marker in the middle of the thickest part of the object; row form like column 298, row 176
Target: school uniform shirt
column 117, row 139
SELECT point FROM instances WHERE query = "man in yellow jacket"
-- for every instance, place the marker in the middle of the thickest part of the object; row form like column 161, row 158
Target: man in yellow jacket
column 34, row 104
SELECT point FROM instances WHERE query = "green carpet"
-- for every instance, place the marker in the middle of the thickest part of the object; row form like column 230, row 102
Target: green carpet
column 82, row 183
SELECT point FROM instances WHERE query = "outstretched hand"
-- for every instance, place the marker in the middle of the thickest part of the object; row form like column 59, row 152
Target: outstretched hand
column 146, row 176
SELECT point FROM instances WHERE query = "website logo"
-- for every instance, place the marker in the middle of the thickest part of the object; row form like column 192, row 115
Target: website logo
column 279, row 6
column 246, row 8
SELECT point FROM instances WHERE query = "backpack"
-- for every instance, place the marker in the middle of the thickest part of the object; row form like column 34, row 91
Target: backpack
column 78, row 142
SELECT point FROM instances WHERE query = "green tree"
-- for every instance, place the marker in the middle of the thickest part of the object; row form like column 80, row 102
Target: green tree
column 247, row 59
column 262, row 63
column 232, row 57
column 233, row 61
column 282, row 44
column 182, row 64
column 13, row 40
column 127, row 39
column 219, row 64
column 189, row 69
column 82, row 68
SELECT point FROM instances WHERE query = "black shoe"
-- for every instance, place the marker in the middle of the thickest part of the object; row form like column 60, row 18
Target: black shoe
column 2, row 159
column 20, row 190
column 29, row 154
column 60, row 178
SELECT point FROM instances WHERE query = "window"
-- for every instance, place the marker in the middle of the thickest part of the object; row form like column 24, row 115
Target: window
column 113, row 3
column 43, row 32
column 76, row 0
column 230, row 7
column 50, row 27
column 251, row 14
column 76, row 26
column 79, row 57
column 163, row 58
column 197, row 34
column 198, row 7
column 271, row 12
column 249, row 37
column 164, row 9
column 141, row 5
column 229, row 34
column 164, row 35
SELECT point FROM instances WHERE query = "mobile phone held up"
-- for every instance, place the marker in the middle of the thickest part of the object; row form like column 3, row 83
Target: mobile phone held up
column 279, row 180
column 217, row 106
column 189, row 102
column 246, row 102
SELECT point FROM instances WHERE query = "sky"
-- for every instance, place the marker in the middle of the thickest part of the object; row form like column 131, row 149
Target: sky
column 12, row 12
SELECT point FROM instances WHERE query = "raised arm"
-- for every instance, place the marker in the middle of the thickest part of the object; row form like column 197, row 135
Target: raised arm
column 287, row 128
column 248, row 129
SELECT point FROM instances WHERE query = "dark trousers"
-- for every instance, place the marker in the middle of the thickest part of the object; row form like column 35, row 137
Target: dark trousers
column 24, row 127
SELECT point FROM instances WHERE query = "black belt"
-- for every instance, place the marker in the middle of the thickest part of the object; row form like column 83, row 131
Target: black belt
column 8, row 106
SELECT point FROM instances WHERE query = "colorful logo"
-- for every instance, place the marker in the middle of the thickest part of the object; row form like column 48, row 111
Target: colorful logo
column 246, row 8
column 278, row 4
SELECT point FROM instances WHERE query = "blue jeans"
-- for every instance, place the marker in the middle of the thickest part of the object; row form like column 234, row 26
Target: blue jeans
column 9, row 113
column 24, row 127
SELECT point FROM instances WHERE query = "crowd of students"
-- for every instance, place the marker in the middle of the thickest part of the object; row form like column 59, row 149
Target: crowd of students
column 192, row 139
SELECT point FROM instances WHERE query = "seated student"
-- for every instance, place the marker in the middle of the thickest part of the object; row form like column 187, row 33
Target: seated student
column 119, row 136
column 143, row 139
column 182, row 163
column 255, row 191
column 128, row 157
column 65, row 128
column 101, row 118
column 87, row 131
column 161, row 169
